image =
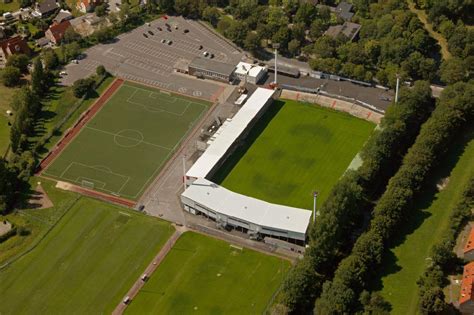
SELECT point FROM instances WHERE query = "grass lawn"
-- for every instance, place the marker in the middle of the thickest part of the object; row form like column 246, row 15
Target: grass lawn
column 6, row 97
column 296, row 148
column 4, row 134
column 86, row 264
column 202, row 275
column 136, row 123
column 56, row 107
column 10, row 7
column 408, row 258
column 36, row 221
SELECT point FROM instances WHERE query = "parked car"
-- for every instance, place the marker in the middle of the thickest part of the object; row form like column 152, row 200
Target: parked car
column 200, row 47
column 151, row 33
column 170, row 42
column 163, row 41
column 75, row 61
column 186, row 31
column 62, row 73
column 159, row 28
column 205, row 54
column 211, row 56
column 145, row 35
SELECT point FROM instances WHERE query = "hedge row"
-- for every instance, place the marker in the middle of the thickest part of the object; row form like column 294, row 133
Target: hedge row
column 444, row 260
column 342, row 215
column 454, row 111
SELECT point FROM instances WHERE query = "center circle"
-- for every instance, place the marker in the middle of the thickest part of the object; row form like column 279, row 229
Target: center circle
column 128, row 138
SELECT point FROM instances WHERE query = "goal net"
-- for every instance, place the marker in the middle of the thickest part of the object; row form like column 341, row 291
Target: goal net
column 87, row 184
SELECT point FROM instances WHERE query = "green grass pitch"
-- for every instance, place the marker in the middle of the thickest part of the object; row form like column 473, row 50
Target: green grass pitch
column 201, row 275
column 86, row 264
column 128, row 141
column 295, row 148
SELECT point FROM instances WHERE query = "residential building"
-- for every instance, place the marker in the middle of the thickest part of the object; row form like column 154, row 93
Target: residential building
column 343, row 10
column 87, row 24
column 348, row 29
column 469, row 246
column 11, row 46
column 46, row 8
column 55, row 32
column 86, row 6
column 63, row 15
column 466, row 300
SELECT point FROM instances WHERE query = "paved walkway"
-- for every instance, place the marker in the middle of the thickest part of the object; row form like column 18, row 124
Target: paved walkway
column 132, row 293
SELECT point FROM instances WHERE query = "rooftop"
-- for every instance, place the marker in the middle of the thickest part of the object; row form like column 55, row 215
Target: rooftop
column 470, row 241
column 466, row 284
column 46, row 6
column 349, row 29
column 14, row 45
column 229, row 132
column 212, row 65
column 58, row 30
column 246, row 208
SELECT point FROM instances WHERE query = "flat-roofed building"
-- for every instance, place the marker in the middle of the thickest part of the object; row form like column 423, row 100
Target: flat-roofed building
column 252, row 215
column 211, row 69
column 224, row 141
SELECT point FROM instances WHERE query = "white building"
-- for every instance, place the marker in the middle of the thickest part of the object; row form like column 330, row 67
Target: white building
column 228, row 208
column 250, row 73
column 253, row 215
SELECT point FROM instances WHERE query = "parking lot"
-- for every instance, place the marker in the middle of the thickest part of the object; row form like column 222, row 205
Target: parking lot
column 142, row 56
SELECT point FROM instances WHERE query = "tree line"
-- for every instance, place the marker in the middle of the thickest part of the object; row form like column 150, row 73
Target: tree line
column 351, row 200
column 453, row 112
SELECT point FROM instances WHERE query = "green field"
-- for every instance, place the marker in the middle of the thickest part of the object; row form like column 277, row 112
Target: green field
column 408, row 259
column 125, row 145
column 202, row 275
column 297, row 148
column 86, row 264
column 4, row 134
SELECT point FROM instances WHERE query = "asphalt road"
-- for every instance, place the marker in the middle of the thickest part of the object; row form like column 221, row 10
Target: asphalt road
column 147, row 60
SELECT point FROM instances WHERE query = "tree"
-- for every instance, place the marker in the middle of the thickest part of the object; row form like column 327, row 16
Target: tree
column 211, row 14
column 306, row 13
column 237, row 32
column 38, row 78
column 10, row 76
column 101, row 10
column 7, row 181
column 294, row 47
column 317, row 29
column 82, row 86
column 100, row 71
column 252, row 42
column 453, row 70
column 70, row 36
column 50, row 59
column 19, row 61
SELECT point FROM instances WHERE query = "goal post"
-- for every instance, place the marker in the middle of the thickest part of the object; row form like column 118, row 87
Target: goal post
column 87, row 184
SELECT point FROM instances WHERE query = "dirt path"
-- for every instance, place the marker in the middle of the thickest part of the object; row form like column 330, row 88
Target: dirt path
column 442, row 42
column 150, row 269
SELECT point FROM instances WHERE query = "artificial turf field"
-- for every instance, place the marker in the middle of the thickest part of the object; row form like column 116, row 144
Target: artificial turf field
column 86, row 264
column 295, row 148
column 202, row 275
column 128, row 141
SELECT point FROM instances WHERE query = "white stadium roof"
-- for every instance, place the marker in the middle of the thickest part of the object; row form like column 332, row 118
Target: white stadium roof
column 262, row 213
column 229, row 132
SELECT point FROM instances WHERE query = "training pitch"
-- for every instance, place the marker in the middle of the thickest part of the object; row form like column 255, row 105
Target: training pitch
column 123, row 147
column 201, row 275
column 295, row 149
column 85, row 264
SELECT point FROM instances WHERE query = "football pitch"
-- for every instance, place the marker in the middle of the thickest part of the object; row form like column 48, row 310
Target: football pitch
column 124, row 146
column 85, row 264
column 295, row 149
column 202, row 275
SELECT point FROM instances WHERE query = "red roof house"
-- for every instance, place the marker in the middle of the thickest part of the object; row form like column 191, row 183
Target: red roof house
column 466, row 300
column 55, row 33
column 10, row 46
column 469, row 246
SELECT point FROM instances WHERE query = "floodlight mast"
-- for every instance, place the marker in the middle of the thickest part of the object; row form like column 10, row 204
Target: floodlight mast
column 315, row 198
column 396, row 89
column 276, row 46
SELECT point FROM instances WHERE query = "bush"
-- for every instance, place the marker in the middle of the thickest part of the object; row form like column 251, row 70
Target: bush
column 82, row 86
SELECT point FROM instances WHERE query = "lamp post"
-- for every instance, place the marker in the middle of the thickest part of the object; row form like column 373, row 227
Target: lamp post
column 276, row 46
column 396, row 89
column 315, row 198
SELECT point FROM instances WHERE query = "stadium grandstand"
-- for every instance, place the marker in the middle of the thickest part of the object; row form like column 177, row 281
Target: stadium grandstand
column 230, row 209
